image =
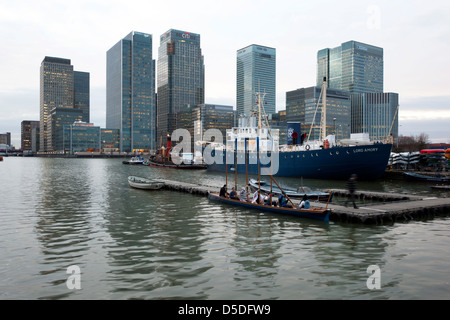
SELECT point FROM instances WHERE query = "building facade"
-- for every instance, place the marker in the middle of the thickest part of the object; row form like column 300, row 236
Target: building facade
column 110, row 139
column 27, row 128
column 60, row 87
column 375, row 114
column 181, row 79
column 81, row 93
column 81, row 137
column 353, row 66
column 301, row 105
column 5, row 138
column 56, row 91
column 85, row 137
column 256, row 72
column 130, row 92
column 56, row 121
column 278, row 121
column 358, row 69
column 212, row 116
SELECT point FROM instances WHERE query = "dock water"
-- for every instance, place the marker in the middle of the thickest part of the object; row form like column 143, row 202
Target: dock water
column 388, row 208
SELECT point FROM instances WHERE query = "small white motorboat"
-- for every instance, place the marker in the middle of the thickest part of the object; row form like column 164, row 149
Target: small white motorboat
column 144, row 183
column 134, row 160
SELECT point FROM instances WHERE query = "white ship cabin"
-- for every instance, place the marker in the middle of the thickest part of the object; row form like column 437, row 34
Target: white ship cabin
column 268, row 138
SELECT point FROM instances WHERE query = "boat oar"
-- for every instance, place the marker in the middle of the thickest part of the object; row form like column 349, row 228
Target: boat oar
column 282, row 191
column 331, row 193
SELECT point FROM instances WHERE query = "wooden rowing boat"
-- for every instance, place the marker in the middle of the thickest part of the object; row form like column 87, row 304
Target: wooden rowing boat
column 424, row 178
column 297, row 194
column 440, row 187
column 144, row 183
column 312, row 213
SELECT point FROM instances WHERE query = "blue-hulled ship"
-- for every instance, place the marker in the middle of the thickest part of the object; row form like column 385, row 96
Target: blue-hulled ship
column 254, row 146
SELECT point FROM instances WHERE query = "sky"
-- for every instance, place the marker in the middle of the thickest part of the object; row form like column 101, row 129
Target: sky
column 414, row 35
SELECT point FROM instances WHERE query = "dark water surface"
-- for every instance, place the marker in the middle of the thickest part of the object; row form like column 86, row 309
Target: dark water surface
column 134, row 244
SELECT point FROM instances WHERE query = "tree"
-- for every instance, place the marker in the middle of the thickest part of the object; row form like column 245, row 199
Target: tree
column 422, row 141
column 412, row 143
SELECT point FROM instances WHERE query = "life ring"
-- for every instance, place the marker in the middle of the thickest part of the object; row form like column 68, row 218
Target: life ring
column 307, row 147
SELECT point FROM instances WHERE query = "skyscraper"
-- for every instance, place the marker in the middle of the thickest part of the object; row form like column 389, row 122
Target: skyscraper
column 181, row 78
column 60, row 87
column 359, row 69
column 353, row 66
column 130, row 92
column 375, row 114
column 27, row 128
column 81, row 93
column 212, row 116
column 301, row 107
column 256, row 72
column 56, row 91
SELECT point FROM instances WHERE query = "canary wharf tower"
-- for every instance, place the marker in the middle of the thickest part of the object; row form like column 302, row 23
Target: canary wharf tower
column 181, row 79
column 256, row 72
column 130, row 92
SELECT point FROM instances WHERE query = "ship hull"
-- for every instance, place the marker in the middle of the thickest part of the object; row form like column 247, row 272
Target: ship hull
column 368, row 162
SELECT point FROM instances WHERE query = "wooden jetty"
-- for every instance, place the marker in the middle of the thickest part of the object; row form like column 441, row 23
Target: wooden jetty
column 389, row 208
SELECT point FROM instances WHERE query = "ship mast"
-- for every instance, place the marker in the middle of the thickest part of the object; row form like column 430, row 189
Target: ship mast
column 259, row 99
column 323, row 122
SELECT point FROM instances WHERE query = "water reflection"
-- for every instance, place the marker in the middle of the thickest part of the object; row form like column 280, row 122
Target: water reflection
column 63, row 227
column 135, row 244
column 154, row 241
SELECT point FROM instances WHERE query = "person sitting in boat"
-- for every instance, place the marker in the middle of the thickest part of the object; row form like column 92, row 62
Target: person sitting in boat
column 257, row 198
column 304, row 204
column 282, row 200
column 233, row 194
column 268, row 199
column 223, row 191
column 243, row 194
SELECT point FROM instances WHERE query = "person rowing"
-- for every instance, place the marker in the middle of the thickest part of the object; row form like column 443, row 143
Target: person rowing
column 304, row 204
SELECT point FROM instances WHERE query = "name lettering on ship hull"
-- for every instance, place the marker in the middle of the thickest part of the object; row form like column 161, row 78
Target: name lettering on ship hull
column 365, row 150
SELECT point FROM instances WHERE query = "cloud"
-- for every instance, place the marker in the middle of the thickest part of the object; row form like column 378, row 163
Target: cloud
column 436, row 129
column 413, row 34
column 425, row 108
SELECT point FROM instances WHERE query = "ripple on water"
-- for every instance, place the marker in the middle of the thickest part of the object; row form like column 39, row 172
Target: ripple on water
column 133, row 244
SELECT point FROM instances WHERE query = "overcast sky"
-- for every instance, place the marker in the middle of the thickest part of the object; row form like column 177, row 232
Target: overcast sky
column 415, row 36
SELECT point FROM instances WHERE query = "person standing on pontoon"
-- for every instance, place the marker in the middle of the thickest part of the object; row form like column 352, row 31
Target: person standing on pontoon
column 351, row 186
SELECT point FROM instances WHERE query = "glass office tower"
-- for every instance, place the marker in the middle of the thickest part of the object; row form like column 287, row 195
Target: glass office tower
column 60, row 87
column 57, row 119
column 256, row 72
column 376, row 114
column 181, row 79
column 354, row 66
column 301, row 107
column 358, row 68
column 56, row 91
column 27, row 128
column 212, row 116
column 81, row 92
column 130, row 92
